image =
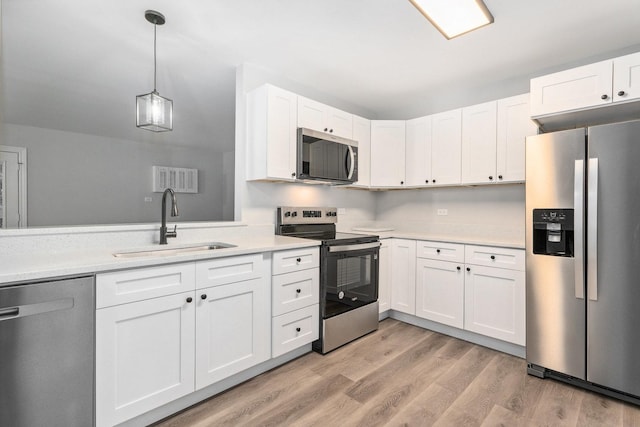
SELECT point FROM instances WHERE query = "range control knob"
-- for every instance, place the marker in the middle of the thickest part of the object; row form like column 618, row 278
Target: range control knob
column 287, row 214
column 294, row 213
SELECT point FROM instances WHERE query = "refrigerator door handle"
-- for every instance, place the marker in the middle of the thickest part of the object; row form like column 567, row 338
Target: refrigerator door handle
column 592, row 231
column 578, row 206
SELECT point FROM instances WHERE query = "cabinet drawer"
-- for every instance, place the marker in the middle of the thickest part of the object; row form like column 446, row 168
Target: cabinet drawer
column 143, row 283
column 490, row 256
column 222, row 271
column 295, row 329
column 441, row 251
column 296, row 290
column 296, row 260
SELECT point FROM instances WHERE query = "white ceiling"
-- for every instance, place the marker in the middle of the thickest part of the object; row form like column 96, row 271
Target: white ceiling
column 78, row 64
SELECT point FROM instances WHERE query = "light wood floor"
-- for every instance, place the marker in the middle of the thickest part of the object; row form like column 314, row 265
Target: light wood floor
column 403, row 375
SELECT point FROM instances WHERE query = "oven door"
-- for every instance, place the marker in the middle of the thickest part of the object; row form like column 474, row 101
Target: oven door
column 349, row 277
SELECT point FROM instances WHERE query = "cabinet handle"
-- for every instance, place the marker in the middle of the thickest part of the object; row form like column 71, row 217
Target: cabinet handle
column 434, row 181
column 189, row 299
column 326, row 129
column 438, row 251
column 293, row 174
column 499, row 176
column 490, row 178
column 330, row 130
column 298, row 291
column 458, row 268
column 401, row 182
column 468, row 269
column 426, row 181
column 493, row 257
column 298, row 259
column 621, row 93
column 297, row 329
column 203, row 296
column 604, row 97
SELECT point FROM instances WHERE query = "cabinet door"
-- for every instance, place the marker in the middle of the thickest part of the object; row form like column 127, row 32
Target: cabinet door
column 271, row 133
column 340, row 123
column 233, row 329
column 403, row 274
column 418, row 152
column 514, row 125
column 384, row 276
column 440, row 292
column 446, row 146
column 574, row 89
column 479, row 143
column 362, row 134
column 495, row 303
column 387, row 153
column 626, row 77
column 312, row 114
column 144, row 356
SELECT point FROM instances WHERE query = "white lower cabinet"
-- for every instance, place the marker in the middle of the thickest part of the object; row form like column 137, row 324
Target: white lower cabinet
column 144, row 356
column 494, row 302
column 440, row 291
column 232, row 329
column 153, row 350
column 296, row 297
column 384, row 276
column 403, row 274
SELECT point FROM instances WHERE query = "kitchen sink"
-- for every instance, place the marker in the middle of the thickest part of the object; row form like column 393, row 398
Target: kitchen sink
column 174, row 251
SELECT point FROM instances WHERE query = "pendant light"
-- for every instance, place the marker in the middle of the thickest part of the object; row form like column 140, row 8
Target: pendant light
column 154, row 112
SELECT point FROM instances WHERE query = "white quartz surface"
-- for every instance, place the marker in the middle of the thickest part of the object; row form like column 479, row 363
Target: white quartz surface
column 85, row 259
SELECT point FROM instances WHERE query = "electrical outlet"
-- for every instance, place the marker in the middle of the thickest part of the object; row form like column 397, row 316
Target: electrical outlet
column 443, row 212
column 148, row 199
column 342, row 211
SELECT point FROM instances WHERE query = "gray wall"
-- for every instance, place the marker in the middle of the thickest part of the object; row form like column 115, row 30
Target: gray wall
column 85, row 179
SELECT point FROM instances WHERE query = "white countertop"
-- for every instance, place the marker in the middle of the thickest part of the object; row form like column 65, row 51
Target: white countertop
column 482, row 241
column 19, row 268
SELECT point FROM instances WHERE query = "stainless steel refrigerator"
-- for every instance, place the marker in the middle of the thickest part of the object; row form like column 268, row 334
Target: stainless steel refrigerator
column 583, row 257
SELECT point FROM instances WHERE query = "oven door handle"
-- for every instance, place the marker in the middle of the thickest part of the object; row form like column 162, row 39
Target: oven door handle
column 356, row 247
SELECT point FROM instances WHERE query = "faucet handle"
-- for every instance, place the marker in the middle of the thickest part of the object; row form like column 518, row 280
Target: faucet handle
column 173, row 233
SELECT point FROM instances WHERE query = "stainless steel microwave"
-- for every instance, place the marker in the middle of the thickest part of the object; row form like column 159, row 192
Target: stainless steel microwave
column 326, row 158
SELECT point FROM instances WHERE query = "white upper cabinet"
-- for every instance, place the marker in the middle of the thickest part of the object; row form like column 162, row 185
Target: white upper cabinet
column 599, row 84
column 514, row 125
column 418, row 152
column 271, row 134
column 479, row 143
column 581, row 87
column 626, row 78
column 324, row 118
column 387, row 153
column 446, row 147
column 362, row 134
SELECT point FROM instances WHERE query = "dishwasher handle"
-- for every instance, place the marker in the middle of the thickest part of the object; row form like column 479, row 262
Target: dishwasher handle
column 10, row 313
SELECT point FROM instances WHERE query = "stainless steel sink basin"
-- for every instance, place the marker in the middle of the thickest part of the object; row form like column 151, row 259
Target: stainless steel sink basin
column 174, row 251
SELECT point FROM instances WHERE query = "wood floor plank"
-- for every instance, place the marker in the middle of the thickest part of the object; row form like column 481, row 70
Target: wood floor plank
column 458, row 378
column 630, row 415
column 503, row 417
column 559, row 405
column 597, row 410
column 426, row 408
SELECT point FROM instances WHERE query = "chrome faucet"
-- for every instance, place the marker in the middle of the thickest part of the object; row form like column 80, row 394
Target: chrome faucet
column 174, row 212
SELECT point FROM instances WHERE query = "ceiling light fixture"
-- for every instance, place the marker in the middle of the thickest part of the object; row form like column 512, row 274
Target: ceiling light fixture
column 154, row 112
column 454, row 17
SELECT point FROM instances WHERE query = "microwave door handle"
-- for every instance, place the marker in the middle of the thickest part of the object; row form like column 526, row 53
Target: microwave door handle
column 350, row 162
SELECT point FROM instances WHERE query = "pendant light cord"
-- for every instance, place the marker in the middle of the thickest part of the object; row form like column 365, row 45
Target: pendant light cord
column 155, row 26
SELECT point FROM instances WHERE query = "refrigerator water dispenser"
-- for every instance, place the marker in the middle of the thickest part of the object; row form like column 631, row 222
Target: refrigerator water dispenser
column 553, row 232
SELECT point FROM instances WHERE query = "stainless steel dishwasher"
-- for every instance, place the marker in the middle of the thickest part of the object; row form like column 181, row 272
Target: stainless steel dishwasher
column 47, row 353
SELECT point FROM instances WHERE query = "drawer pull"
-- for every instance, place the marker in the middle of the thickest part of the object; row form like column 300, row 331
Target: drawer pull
column 493, row 257
column 438, row 250
column 458, row 268
column 298, row 291
column 189, row 299
column 298, row 259
column 468, row 269
column 203, row 296
column 297, row 329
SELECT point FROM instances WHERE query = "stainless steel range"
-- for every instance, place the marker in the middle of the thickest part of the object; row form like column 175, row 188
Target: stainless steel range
column 348, row 274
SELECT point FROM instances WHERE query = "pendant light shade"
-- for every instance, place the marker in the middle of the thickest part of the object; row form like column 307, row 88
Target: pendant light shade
column 154, row 112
